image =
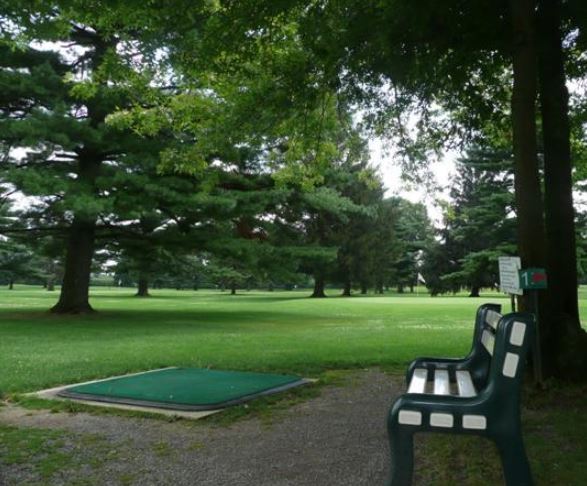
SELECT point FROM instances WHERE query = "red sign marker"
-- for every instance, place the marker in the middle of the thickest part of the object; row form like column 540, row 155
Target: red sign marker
column 538, row 277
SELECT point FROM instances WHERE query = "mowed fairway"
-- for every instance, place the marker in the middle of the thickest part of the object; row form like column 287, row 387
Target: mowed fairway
column 263, row 331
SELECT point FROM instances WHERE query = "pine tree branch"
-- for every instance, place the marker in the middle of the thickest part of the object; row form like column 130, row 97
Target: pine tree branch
column 5, row 197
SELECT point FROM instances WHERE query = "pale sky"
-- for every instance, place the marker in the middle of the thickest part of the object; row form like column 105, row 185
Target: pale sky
column 443, row 172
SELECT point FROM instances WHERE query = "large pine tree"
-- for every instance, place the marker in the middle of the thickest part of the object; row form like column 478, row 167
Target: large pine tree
column 64, row 157
column 482, row 203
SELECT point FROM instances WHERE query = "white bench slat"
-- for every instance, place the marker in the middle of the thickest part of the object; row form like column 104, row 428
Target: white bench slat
column 418, row 381
column 488, row 341
column 465, row 384
column 441, row 382
column 492, row 318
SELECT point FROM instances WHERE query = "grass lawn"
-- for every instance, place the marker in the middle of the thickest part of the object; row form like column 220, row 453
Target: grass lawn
column 277, row 332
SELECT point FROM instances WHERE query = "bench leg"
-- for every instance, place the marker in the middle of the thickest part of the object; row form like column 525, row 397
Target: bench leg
column 516, row 468
column 402, row 454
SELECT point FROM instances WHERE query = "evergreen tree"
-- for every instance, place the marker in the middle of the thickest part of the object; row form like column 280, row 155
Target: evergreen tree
column 60, row 101
column 385, row 246
column 17, row 262
column 482, row 204
column 357, row 235
column 413, row 231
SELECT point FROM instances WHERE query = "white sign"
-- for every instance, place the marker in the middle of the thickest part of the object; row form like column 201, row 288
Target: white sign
column 509, row 278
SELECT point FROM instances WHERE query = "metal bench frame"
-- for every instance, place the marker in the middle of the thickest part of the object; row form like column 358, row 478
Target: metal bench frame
column 494, row 412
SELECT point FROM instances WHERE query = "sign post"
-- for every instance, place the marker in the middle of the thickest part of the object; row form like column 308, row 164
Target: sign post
column 533, row 280
column 509, row 278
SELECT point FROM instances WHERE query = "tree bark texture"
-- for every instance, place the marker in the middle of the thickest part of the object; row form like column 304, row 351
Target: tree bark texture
column 527, row 180
column 558, row 190
column 319, row 285
column 74, row 298
column 567, row 341
column 528, row 195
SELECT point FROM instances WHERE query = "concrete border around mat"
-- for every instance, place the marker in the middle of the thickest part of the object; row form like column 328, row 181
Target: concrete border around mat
column 52, row 394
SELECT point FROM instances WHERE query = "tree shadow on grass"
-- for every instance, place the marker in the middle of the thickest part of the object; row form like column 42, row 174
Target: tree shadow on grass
column 165, row 319
column 269, row 297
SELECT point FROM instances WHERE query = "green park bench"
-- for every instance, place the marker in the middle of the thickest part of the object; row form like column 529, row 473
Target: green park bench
column 476, row 395
column 475, row 366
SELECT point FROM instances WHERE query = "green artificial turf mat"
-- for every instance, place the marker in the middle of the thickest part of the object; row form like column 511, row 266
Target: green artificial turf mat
column 183, row 388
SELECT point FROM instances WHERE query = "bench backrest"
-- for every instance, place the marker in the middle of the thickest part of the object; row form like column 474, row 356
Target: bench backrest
column 490, row 323
column 486, row 315
column 507, row 343
column 478, row 360
column 482, row 356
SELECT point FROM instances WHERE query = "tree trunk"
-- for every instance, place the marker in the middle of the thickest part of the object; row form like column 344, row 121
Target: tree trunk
column 474, row 291
column 563, row 337
column 143, row 287
column 233, row 289
column 11, row 284
column 50, row 280
column 319, row 285
column 527, row 181
column 74, row 298
column 346, row 291
column 400, row 289
column 364, row 288
column 531, row 233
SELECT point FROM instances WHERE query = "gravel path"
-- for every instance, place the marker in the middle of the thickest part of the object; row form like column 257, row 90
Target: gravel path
column 337, row 439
